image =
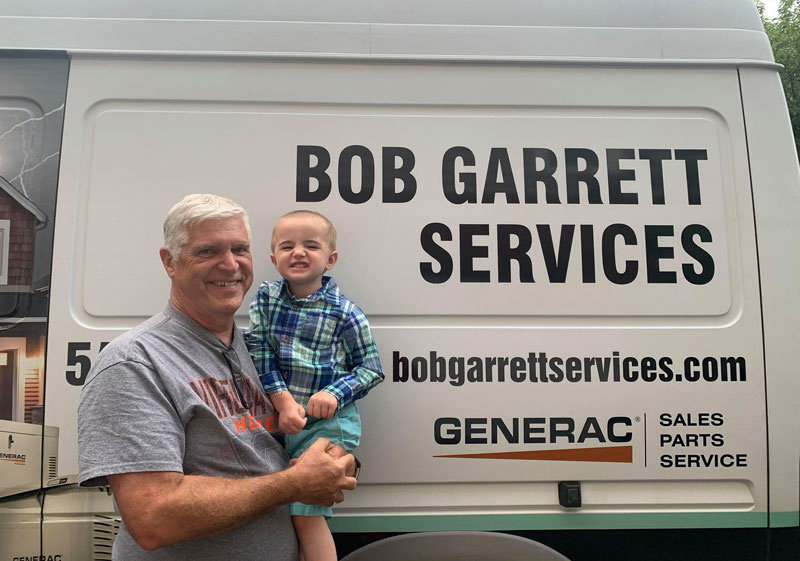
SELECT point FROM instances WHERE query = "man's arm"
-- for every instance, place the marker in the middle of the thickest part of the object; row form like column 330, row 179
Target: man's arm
column 164, row 508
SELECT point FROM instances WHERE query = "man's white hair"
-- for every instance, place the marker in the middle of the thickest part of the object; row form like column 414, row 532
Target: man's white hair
column 192, row 210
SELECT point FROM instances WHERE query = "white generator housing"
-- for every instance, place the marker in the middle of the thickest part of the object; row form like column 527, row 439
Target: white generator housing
column 26, row 459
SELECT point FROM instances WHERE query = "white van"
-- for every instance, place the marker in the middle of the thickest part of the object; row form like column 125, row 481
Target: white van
column 572, row 225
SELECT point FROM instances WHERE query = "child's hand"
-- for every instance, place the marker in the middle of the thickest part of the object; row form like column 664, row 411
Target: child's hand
column 322, row 405
column 292, row 419
column 291, row 415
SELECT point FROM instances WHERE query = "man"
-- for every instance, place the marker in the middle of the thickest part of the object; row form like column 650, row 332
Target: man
column 172, row 418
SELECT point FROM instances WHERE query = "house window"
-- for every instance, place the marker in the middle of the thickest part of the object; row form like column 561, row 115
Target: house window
column 5, row 233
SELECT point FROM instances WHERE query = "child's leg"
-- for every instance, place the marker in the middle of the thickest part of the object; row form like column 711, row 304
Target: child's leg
column 316, row 541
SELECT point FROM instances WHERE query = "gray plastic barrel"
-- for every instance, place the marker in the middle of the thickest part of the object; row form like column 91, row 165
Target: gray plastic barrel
column 455, row 546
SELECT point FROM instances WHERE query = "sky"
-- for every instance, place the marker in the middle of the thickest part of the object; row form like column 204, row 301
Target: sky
column 771, row 8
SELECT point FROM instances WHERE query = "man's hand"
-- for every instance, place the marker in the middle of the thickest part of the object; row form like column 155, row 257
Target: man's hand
column 322, row 405
column 335, row 451
column 322, row 477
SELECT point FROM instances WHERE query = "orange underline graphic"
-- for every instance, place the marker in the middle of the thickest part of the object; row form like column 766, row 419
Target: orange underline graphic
column 15, row 460
column 618, row 454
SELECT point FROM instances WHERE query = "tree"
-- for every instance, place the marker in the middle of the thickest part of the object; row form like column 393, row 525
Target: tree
column 784, row 34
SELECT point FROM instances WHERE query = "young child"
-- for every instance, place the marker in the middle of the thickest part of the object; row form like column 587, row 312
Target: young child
column 315, row 355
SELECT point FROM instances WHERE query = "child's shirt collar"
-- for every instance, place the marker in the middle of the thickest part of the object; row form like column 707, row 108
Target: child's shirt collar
column 328, row 292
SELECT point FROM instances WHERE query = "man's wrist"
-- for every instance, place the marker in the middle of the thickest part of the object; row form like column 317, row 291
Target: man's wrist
column 288, row 485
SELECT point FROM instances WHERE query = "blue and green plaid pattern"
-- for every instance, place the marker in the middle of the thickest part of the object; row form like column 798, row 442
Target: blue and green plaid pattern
column 304, row 345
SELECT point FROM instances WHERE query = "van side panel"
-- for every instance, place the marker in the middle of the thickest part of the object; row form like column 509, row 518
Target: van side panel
column 558, row 263
column 776, row 199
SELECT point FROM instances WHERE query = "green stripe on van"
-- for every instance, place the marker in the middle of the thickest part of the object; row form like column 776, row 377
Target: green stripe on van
column 784, row 519
column 576, row 521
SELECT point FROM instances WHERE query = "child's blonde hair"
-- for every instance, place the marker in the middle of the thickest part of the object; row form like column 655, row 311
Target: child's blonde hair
column 308, row 214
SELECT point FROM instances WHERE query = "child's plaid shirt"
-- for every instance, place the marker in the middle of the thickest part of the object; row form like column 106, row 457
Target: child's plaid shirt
column 304, row 345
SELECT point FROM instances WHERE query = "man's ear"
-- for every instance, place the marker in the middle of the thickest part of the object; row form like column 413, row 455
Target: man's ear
column 167, row 261
column 332, row 260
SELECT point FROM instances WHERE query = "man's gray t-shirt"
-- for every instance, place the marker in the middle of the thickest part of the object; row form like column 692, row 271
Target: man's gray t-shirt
column 161, row 398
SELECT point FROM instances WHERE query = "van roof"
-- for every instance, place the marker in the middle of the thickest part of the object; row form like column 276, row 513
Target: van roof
column 683, row 31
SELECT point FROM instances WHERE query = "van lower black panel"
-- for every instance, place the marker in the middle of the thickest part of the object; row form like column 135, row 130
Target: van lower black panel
column 745, row 544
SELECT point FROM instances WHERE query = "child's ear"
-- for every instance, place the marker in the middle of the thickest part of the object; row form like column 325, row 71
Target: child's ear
column 272, row 258
column 334, row 256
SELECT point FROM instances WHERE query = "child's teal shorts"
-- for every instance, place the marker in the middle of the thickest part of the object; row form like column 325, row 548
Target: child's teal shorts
column 344, row 429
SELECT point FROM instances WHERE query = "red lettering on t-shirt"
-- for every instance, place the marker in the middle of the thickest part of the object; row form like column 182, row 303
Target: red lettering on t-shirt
column 241, row 424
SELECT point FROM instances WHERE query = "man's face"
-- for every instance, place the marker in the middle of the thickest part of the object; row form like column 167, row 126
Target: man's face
column 214, row 271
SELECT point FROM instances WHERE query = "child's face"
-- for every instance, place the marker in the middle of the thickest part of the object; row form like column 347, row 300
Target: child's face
column 302, row 252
